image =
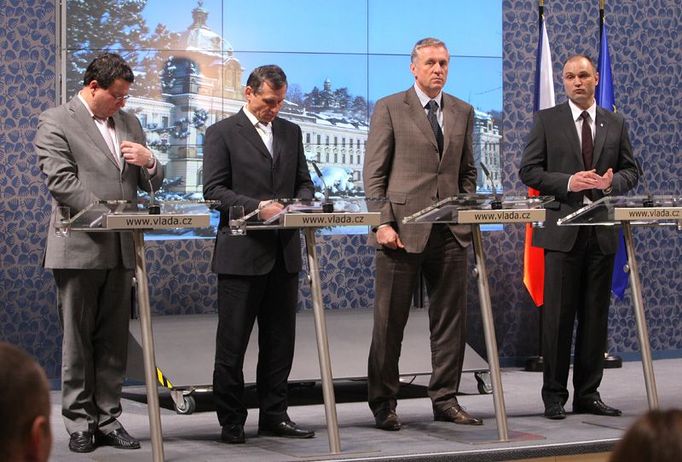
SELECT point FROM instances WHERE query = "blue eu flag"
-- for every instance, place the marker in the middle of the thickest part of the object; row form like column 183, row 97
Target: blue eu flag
column 605, row 99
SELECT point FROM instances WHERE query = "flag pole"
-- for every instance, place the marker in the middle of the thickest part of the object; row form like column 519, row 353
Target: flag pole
column 610, row 361
column 536, row 363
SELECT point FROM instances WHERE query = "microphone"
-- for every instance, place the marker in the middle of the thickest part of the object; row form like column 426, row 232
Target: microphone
column 496, row 203
column 327, row 205
column 649, row 199
column 153, row 208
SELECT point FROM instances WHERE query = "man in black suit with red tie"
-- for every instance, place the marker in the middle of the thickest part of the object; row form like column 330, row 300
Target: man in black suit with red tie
column 251, row 158
column 578, row 153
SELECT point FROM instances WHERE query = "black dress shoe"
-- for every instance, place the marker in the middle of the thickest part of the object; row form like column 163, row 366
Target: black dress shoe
column 457, row 415
column 81, row 442
column 233, row 434
column 555, row 411
column 118, row 438
column 388, row 420
column 286, row 429
column 596, row 407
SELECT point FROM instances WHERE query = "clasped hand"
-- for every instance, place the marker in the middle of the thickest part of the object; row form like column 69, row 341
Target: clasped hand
column 590, row 179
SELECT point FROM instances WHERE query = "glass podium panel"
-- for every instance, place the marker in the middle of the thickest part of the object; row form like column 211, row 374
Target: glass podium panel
column 482, row 209
column 122, row 215
column 351, row 211
column 663, row 210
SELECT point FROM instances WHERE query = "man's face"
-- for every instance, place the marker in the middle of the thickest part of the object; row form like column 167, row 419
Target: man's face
column 266, row 103
column 105, row 102
column 580, row 79
column 430, row 69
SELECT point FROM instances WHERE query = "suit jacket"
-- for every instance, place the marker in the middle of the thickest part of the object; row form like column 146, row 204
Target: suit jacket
column 80, row 170
column 553, row 153
column 402, row 163
column 239, row 170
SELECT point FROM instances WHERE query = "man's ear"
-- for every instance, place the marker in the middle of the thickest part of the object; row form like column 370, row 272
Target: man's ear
column 39, row 442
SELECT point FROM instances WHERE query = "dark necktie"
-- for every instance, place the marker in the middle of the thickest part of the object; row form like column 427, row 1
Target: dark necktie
column 587, row 149
column 587, row 145
column 432, row 106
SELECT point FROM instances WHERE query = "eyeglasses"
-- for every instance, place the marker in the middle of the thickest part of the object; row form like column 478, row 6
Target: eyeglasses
column 119, row 99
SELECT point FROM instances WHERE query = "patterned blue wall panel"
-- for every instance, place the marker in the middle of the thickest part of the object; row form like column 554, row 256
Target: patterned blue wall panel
column 644, row 39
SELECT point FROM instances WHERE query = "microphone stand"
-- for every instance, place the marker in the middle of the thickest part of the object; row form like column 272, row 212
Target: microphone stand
column 327, row 205
column 649, row 200
column 496, row 203
column 153, row 208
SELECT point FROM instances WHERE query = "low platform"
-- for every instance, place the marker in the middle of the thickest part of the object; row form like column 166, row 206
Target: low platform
column 196, row 437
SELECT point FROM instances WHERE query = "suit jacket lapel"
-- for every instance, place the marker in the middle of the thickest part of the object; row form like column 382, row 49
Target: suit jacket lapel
column 82, row 116
column 249, row 132
column 418, row 116
column 449, row 117
column 121, row 135
column 601, row 127
column 567, row 126
column 277, row 148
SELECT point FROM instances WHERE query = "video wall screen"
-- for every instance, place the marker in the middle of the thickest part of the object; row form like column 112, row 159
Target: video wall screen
column 192, row 58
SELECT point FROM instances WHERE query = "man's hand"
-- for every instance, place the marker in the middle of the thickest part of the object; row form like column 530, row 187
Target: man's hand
column 604, row 181
column 268, row 209
column 387, row 237
column 136, row 154
column 589, row 179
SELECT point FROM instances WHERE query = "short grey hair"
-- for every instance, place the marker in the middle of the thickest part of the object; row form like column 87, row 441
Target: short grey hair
column 426, row 42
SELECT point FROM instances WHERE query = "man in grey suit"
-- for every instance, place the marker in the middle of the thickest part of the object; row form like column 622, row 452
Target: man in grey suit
column 250, row 159
column 578, row 153
column 90, row 150
column 419, row 150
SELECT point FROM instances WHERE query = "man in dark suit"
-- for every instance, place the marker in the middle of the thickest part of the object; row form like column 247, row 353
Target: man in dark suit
column 90, row 150
column 251, row 158
column 419, row 150
column 577, row 152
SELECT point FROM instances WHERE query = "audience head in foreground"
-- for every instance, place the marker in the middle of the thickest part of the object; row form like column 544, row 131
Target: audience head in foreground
column 655, row 436
column 24, row 407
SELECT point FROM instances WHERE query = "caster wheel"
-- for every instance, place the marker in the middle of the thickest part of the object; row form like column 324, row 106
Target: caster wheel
column 188, row 405
column 483, row 383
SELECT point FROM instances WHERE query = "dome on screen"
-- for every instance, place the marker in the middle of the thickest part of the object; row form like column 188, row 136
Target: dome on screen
column 199, row 37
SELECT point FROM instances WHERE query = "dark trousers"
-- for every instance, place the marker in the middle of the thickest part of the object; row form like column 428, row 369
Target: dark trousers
column 94, row 310
column 270, row 299
column 443, row 264
column 577, row 285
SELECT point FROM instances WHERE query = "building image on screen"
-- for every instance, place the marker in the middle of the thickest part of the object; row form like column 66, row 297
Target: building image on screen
column 191, row 71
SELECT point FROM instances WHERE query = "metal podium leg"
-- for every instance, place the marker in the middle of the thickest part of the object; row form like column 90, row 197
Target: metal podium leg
column 322, row 344
column 489, row 331
column 643, row 333
column 148, row 348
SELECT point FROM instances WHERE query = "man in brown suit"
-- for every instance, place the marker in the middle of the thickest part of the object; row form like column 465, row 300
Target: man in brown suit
column 419, row 150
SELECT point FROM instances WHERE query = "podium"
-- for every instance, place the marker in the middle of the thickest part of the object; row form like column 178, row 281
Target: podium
column 310, row 216
column 110, row 216
column 475, row 210
column 628, row 212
